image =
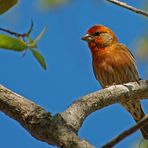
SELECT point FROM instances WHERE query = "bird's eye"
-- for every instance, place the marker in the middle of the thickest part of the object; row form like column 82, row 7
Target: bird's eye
column 96, row 33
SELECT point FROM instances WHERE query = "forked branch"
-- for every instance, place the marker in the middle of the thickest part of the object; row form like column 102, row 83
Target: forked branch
column 61, row 129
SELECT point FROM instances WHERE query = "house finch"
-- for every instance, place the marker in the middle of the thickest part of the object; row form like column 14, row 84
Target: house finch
column 113, row 63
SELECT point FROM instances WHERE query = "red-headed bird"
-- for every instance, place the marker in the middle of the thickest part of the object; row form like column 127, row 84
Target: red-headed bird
column 113, row 63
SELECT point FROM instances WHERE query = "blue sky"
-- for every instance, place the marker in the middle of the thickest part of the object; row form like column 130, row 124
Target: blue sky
column 69, row 72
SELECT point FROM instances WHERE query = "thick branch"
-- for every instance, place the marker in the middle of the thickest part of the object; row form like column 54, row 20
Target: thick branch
column 126, row 133
column 84, row 106
column 61, row 129
column 124, row 5
column 40, row 124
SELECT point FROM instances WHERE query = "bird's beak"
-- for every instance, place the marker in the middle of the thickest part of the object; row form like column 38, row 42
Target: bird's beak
column 87, row 38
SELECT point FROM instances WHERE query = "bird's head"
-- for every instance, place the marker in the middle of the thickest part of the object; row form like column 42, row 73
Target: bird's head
column 99, row 36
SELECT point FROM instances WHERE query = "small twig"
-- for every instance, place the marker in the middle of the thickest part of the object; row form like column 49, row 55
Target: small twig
column 31, row 28
column 23, row 35
column 126, row 133
column 11, row 32
column 124, row 5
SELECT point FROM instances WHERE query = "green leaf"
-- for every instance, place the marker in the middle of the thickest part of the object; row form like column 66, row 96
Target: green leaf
column 39, row 58
column 5, row 5
column 40, row 35
column 11, row 43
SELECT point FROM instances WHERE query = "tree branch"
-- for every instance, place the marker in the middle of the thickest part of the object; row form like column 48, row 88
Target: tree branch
column 126, row 133
column 84, row 106
column 124, row 5
column 61, row 129
column 39, row 123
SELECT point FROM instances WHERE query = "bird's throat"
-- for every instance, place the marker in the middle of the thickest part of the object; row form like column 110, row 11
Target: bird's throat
column 95, row 47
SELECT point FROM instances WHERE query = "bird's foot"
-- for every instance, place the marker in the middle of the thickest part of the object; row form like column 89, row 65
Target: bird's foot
column 114, row 84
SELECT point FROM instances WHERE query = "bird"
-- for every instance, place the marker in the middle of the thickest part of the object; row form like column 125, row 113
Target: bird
column 113, row 63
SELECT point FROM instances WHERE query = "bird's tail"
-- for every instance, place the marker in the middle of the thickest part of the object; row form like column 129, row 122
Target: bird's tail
column 135, row 109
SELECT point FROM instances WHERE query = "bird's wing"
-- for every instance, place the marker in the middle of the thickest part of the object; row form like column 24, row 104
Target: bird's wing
column 124, row 47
